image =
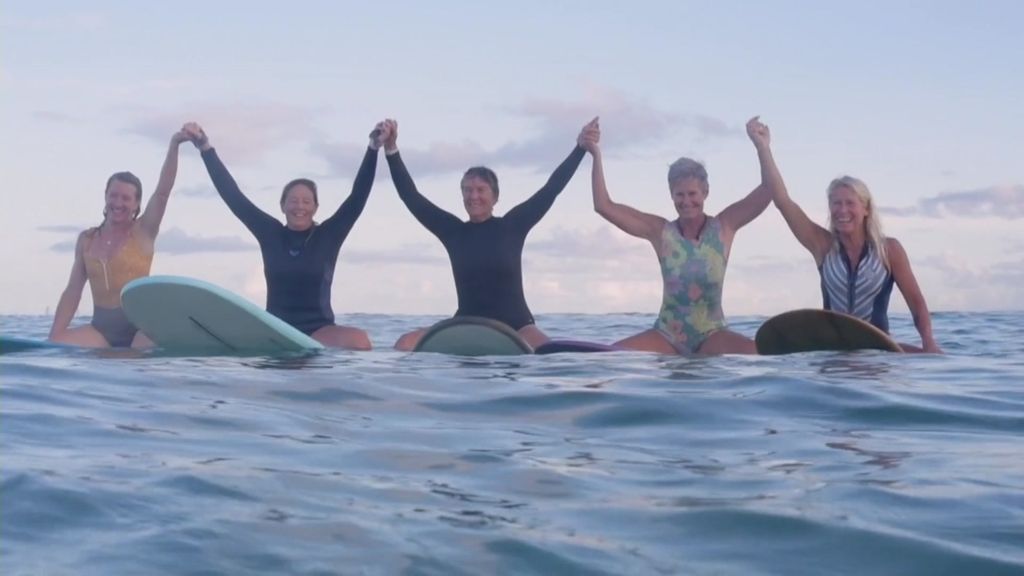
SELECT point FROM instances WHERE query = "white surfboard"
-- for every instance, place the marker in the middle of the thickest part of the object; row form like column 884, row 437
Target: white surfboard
column 473, row 336
column 187, row 315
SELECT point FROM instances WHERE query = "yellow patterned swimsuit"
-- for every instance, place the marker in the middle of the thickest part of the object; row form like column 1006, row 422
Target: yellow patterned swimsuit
column 693, row 274
column 108, row 277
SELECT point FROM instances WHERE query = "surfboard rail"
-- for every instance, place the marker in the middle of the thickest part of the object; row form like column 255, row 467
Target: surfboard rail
column 472, row 336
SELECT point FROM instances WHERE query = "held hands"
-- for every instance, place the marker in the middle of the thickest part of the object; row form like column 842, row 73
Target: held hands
column 759, row 133
column 180, row 136
column 590, row 136
column 194, row 132
column 388, row 136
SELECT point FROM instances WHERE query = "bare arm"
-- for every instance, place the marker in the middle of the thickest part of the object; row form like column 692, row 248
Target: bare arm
column 72, row 295
column 157, row 205
column 899, row 263
column 816, row 239
column 625, row 218
column 739, row 214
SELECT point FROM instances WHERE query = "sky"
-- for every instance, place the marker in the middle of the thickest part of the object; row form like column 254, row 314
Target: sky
column 920, row 99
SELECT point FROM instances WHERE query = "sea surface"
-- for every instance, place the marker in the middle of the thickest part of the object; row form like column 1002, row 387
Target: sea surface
column 617, row 463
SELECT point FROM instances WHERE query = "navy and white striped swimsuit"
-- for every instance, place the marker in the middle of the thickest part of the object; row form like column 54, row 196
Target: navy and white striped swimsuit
column 862, row 291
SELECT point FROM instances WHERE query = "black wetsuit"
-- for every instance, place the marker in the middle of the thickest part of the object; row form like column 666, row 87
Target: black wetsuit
column 486, row 256
column 298, row 265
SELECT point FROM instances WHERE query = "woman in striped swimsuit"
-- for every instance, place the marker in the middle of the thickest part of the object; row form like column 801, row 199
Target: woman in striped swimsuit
column 858, row 265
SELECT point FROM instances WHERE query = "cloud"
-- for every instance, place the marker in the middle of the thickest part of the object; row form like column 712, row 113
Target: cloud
column 1000, row 201
column 60, row 228
column 196, row 191
column 247, row 132
column 64, row 246
column 55, row 117
column 172, row 241
column 632, row 121
column 582, row 249
column 962, row 284
column 635, row 125
column 177, row 241
column 409, row 254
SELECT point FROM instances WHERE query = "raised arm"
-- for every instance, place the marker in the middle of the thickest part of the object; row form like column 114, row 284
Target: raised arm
column 815, row 238
column 346, row 215
column 72, row 294
column 438, row 221
column 256, row 220
column 525, row 215
column 899, row 264
column 157, row 205
column 741, row 213
column 625, row 218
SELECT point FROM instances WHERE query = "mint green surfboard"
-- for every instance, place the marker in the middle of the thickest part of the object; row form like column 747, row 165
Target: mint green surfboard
column 188, row 315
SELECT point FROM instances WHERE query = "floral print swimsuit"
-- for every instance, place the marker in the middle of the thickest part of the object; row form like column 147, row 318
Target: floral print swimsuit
column 693, row 273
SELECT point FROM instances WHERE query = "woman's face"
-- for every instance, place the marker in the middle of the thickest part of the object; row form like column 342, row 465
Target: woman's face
column 122, row 202
column 478, row 198
column 847, row 210
column 299, row 206
column 688, row 195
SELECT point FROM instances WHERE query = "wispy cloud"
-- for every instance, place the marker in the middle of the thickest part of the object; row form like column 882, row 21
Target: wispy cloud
column 246, row 133
column 966, row 285
column 415, row 254
column 60, row 228
column 172, row 241
column 587, row 247
column 64, row 246
column 557, row 123
column 996, row 201
column 177, row 241
column 55, row 117
column 196, row 191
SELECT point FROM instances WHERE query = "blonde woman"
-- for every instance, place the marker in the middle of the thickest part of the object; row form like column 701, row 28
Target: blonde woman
column 857, row 263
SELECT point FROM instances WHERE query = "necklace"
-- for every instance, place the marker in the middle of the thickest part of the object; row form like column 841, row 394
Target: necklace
column 679, row 225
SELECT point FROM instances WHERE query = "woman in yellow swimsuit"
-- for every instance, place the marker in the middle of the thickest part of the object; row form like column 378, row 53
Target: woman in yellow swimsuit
column 112, row 254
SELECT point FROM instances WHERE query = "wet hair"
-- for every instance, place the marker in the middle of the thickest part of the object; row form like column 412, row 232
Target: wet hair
column 300, row 182
column 872, row 223
column 688, row 168
column 127, row 178
column 486, row 174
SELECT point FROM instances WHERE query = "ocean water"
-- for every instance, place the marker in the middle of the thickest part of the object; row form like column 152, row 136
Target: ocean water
column 621, row 463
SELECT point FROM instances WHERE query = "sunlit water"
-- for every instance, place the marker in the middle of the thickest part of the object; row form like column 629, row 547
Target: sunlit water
column 619, row 463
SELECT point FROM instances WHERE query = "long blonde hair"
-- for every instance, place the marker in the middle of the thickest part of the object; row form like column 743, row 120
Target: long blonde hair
column 872, row 223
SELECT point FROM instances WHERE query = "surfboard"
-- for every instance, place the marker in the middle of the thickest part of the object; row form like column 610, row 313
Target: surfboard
column 559, row 346
column 188, row 315
column 11, row 344
column 811, row 330
column 472, row 336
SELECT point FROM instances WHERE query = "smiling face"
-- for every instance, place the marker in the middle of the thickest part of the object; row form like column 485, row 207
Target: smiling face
column 847, row 210
column 122, row 202
column 478, row 197
column 299, row 204
column 688, row 195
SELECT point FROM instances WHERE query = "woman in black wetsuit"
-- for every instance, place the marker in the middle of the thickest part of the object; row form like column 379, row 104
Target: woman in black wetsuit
column 486, row 251
column 299, row 256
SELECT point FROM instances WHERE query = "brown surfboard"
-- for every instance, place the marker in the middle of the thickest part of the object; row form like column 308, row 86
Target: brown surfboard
column 811, row 330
